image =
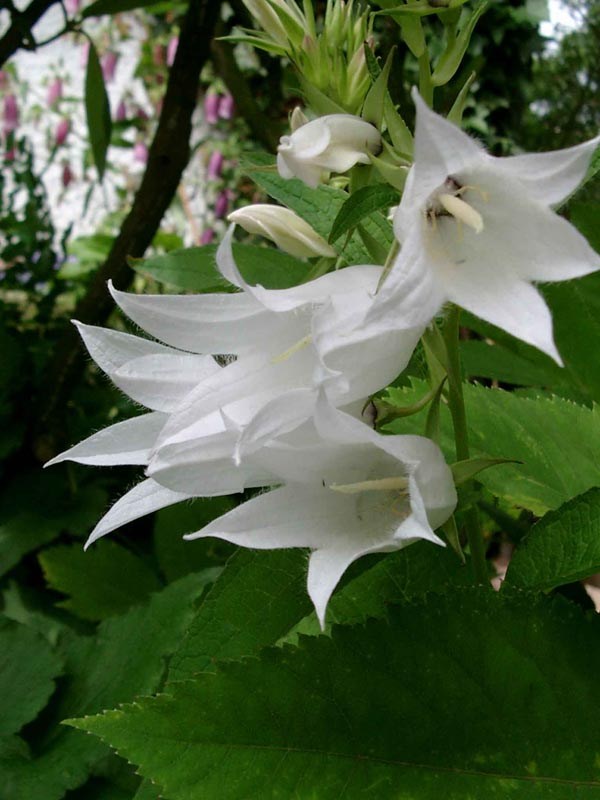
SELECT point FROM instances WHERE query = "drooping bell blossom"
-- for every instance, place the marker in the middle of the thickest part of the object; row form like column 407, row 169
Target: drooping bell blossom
column 284, row 227
column 172, row 50
column 11, row 115
column 54, row 93
column 333, row 143
column 211, row 108
column 140, row 152
column 477, row 230
column 226, row 106
column 215, row 165
column 62, row 131
column 109, row 65
column 290, row 344
column 351, row 493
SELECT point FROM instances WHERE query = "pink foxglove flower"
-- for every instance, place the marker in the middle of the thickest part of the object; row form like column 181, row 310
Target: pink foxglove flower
column 140, row 152
column 222, row 204
column 207, row 236
column 226, row 106
column 109, row 65
column 62, row 131
column 215, row 165
column 478, row 231
column 211, row 108
column 172, row 50
column 11, row 116
column 54, row 93
column 333, row 143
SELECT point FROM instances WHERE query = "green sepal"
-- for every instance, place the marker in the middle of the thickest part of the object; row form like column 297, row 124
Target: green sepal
column 397, row 128
column 432, row 423
column 413, row 35
column 374, row 105
column 319, row 101
column 386, row 412
column 456, row 112
column 422, row 8
column 394, row 174
column 463, row 471
column 451, row 58
column 450, row 531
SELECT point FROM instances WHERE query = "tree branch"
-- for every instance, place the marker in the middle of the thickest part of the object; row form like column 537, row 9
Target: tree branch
column 19, row 33
column 168, row 157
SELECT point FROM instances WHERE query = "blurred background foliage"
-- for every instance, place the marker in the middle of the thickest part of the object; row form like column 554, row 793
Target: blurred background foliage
column 529, row 93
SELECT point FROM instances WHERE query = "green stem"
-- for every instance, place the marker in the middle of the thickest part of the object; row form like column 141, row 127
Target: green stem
column 425, row 84
column 456, row 403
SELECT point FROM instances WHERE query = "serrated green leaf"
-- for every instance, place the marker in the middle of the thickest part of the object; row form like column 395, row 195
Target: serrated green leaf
column 374, row 104
column 28, row 667
column 97, row 109
column 428, row 703
column 101, row 583
column 259, row 596
column 36, row 508
column 178, row 557
column 562, row 548
column 319, row 207
column 194, row 268
column 127, row 656
column 557, row 441
column 361, row 204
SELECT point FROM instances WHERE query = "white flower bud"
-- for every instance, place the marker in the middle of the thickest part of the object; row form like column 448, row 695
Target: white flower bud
column 284, row 227
column 297, row 119
column 333, row 143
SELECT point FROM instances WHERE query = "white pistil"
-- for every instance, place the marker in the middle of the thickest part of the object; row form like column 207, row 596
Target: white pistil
column 376, row 485
column 292, row 350
column 462, row 211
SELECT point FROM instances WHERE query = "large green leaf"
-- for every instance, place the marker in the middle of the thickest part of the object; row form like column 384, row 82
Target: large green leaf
column 469, row 695
column 195, row 269
column 361, row 204
column 36, row 507
column 97, row 110
column 319, row 207
column 128, row 656
column 257, row 599
column 558, row 443
column 563, row 547
column 28, row 667
column 101, row 583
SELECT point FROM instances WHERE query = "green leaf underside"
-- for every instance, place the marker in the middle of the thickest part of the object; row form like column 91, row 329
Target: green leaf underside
column 101, row 583
column 97, row 110
column 127, row 656
column 28, row 667
column 195, row 269
column 562, row 548
column 362, row 714
column 319, row 207
column 557, row 441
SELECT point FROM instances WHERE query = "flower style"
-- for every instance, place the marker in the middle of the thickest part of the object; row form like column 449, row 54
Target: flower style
column 284, row 227
column 333, row 143
column 477, row 230
column 348, row 493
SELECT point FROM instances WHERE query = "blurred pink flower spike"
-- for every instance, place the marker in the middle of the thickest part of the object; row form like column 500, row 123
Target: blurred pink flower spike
column 109, row 65
column 347, row 493
column 11, row 115
column 140, row 152
column 62, row 131
column 54, row 93
column 477, row 231
column 215, row 166
column 172, row 50
column 207, row 236
column 226, row 106
column 211, row 108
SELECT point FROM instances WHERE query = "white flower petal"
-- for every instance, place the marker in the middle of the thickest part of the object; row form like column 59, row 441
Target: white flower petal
column 128, row 442
column 143, row 499
column 277, row 417
column 551, row 177
column 111, row 349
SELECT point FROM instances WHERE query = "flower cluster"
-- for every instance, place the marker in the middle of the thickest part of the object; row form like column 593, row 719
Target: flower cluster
column 264, row 388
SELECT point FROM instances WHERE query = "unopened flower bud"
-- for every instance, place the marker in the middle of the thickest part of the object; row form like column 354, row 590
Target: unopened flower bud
column 215, row 166
column 284, row 227
column 211, row 108
column 67, row 176
column 62, row 131
column 11, row 114
column 109, row 65
column 268, row 20
column 172, row 50
column 226, row 106
column 333, row 143
column 222, row 203
column 54, row 93
column 121, row 112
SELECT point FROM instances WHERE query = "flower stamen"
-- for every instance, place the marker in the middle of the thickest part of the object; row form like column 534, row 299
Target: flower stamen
column 399, row 483
column 462, row 211
column 295, row 348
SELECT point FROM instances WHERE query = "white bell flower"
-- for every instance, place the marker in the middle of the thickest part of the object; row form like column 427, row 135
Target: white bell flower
column 476, row 230
column 334, row 143
column 348, row 493
column 284, row 227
